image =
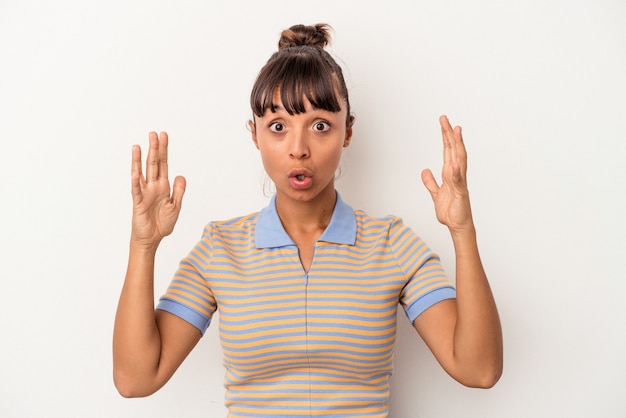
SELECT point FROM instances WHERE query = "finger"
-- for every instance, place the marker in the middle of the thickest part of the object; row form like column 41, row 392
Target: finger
column 461, row 152
column 456, row 175
column 180, row 184
column 136, row 160
column 135, row 172
column 447, row 135
column 163, row 142
column 152, row 162
column 431, row 184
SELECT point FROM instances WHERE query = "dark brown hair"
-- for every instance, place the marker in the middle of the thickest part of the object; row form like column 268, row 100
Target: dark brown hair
column 301, row 69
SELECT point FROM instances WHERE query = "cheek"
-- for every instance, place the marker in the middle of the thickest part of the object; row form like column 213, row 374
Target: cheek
column 333, row 157
column 268, row 158
column 265, row 160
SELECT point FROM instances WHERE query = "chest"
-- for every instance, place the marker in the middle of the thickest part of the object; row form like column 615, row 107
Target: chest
column 341, row 312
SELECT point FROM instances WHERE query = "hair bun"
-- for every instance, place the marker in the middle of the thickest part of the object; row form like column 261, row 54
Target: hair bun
column 302, row 35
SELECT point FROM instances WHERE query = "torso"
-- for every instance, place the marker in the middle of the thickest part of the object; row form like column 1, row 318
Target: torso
column 289, row 336
column 306, row 246
column 306, row 255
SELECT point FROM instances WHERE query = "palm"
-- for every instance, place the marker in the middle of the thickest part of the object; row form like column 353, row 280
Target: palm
column 451, row 199
column 155, row 210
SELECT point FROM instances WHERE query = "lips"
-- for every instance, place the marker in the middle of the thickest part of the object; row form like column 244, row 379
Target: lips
column 300, row 178
column 300, row 173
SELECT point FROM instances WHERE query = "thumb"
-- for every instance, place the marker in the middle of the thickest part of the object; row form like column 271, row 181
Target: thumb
column 429, row 181
column 178, row 190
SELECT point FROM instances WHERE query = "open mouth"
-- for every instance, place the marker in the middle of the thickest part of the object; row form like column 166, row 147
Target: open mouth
column 300, row 177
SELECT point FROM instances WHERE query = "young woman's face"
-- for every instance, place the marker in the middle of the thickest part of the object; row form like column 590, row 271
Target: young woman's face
column 301, row 152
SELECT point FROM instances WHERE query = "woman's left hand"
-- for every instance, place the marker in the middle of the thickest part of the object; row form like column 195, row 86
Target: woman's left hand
column 451, row 199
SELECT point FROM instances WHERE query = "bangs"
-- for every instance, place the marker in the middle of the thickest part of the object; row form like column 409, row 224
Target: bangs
column 297, row 78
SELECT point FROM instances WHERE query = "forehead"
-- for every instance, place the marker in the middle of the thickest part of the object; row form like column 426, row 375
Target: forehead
column 303, row 105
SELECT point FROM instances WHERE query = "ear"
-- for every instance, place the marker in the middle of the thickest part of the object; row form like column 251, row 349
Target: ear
column 252, row 128
column 346, row 141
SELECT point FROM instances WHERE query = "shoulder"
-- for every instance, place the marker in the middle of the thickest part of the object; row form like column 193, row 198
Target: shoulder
column 236, row 222
column 384, row 224
column 390, row 230
column 244, row 224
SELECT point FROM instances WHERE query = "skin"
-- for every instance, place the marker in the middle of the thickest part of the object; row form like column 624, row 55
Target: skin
column 309, row 144
column 464, row 334
column 149, row 345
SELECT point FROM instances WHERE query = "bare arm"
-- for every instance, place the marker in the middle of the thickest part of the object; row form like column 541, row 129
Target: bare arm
column 464, row 334
column 149, row 346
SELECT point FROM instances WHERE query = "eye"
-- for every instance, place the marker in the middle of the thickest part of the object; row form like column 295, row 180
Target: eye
column 321, row 126
column 276, row 127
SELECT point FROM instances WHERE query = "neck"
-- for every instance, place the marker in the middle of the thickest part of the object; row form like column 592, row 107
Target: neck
column 308, row 216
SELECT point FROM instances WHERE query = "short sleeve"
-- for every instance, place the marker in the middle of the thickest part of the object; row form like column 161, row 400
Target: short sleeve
column 427, row 282
column 189, row 295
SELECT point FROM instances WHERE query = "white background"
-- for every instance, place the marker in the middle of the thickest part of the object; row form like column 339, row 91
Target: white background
column 538, row 87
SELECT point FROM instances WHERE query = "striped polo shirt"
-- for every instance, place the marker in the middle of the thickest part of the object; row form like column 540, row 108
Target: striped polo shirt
column 316, row 343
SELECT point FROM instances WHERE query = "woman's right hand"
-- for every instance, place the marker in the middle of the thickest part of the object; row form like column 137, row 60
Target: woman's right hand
column 155, row 206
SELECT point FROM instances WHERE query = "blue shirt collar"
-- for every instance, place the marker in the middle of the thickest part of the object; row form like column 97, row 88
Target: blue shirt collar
column 340, row 230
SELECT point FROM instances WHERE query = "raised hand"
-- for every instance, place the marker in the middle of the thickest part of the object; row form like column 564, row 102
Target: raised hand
column 464, row 333
column 155, row 210
column 451, row 199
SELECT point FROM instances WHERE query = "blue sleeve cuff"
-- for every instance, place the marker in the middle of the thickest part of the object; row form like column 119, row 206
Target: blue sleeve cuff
column 184, row 312
column 420, row 305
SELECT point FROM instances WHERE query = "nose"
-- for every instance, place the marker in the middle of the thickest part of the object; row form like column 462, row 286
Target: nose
column 299, row 146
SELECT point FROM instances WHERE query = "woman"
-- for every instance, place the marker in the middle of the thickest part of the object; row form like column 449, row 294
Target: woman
column 307, row 288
